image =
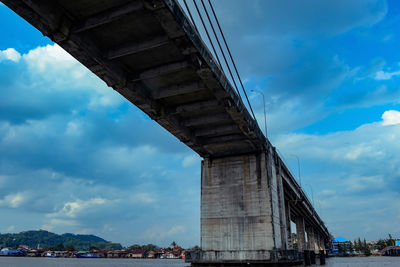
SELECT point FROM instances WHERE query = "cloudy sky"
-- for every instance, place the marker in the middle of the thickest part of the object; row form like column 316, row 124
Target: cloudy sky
column 76, row 157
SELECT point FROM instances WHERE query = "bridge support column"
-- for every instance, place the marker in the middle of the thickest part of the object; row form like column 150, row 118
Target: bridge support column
column 288, row 226
column 301, row 234
column 282, row 210
column 317, row 241
column 322, row 243
column 314, row 240
column 240, row 209
column 308, row 239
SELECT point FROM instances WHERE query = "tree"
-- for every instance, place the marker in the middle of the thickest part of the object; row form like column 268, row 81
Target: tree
column 366, row 249
column 135, row 247
column 359, row 244
column 149, row 247
column 70, row 248
column 381, row 244
column 173, row 244
column 92, row 248
column 390, row 241
column 58, row 247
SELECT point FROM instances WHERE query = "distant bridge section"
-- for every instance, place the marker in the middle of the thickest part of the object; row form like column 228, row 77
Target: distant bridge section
column 151, row 54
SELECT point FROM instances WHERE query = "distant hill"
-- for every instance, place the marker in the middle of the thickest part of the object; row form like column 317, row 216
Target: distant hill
column 46, row 239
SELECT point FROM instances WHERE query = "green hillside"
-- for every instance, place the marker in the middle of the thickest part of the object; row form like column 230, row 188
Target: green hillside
column 46, row 239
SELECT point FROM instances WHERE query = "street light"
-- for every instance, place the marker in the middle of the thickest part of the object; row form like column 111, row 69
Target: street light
column 265, row 114
column 298, row 166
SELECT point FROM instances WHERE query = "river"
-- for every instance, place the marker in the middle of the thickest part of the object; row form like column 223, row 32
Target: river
column 61, row 262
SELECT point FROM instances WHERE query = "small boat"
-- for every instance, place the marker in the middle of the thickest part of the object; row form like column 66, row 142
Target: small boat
column 50, row 254
column 85, row 254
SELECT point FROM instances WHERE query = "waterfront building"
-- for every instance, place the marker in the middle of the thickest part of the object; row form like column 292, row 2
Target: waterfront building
column 340, row 245
column 138, row 254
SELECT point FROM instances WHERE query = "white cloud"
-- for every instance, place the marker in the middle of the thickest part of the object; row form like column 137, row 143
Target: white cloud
column 53, row 68
column 190, row 160
column 74, row 128
column 381, row 75
column 13, row 200
column 144, row 198
column 73, row 209
column 10, row 54
column 355, row 184
column 354, row 152
column 391, row 117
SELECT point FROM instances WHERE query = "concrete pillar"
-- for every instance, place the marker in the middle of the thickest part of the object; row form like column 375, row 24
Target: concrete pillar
column 300, row 231
column 240, row 217
column 307, row 257
column 309, row 238
column 322, row 257
column 315, row 241
column 282, row 210
column 322, row 243
column 312, row 257
column 318, row 242
column 274, row 184
column 288, row 226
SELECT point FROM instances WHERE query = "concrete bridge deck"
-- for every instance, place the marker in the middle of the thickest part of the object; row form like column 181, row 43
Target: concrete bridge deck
column 150, row 53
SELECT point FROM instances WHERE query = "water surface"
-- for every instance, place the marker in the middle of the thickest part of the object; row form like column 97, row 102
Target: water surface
column 66, row 262
column 61, row 262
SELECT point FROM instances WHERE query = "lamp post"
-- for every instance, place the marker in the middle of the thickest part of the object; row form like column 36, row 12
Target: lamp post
column 298, row 166
column 265, row 114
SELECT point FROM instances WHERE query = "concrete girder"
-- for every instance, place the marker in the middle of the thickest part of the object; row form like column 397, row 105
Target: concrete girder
column 162, row 70
column 178, row 89
column 107, row 16
column 205, row 106
column 208, row 119
column 137, row 47
column 217, row 130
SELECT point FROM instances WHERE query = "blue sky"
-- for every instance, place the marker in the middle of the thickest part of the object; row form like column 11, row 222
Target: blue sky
column 77, row 157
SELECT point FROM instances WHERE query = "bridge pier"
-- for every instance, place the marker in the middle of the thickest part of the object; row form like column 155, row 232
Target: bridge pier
column 288, row 226
column 243, row 215
column 301, row 234
column 322, row 243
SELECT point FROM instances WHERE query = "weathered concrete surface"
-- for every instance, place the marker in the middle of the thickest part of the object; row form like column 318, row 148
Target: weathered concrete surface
column 288, row 225
column 301, row 234
column 245, row 215
column 236, row 210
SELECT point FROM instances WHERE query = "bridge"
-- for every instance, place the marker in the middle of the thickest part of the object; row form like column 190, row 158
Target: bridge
column 151, row 53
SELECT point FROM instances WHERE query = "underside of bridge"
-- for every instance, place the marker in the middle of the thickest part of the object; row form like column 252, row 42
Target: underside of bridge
column 149, row 52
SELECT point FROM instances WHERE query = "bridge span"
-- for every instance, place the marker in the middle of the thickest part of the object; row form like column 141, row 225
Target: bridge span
column 150, row 53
